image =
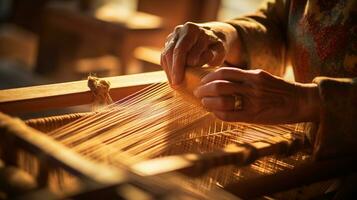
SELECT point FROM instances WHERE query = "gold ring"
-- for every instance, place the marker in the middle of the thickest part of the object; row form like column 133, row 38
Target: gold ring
column 238, row 102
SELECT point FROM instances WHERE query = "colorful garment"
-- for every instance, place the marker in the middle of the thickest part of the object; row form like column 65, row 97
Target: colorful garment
column 319, row 39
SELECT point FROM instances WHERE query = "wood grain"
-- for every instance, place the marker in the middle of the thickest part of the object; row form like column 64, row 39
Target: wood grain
column 48, row 150
column 44, row 97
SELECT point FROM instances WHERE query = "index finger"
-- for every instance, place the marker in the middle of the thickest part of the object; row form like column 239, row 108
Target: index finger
column 226, row 73
column 183, row 45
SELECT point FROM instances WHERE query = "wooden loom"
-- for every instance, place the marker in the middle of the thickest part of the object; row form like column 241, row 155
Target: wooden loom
column 140, row 178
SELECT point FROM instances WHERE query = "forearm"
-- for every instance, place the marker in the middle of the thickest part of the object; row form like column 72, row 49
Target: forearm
column 308, row 103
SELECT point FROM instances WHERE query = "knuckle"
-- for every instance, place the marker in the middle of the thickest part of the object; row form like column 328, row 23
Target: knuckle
column 260, row 73
column 204, row 36
column 222, row 73
column 257, row 78
column 177, row 28
column 190, row 24
column 191, row 27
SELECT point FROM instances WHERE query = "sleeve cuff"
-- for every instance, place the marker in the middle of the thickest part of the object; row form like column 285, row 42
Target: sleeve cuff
column 337, row 132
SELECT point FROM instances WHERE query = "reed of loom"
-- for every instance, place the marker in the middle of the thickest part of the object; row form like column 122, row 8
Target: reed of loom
column 76, row 93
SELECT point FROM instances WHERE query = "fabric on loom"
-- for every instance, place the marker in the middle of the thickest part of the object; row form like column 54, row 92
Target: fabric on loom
column 158, row 121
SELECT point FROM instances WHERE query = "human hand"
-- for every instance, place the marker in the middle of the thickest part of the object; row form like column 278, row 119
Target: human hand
column 194, row 44
column 266, row 99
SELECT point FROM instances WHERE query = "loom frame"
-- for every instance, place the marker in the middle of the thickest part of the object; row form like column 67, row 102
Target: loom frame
column 61, row 95
column 36, row 98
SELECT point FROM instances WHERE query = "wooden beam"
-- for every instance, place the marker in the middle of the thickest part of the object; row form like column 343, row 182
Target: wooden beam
column 197, row 164
column 44, row 97
column 48, row 150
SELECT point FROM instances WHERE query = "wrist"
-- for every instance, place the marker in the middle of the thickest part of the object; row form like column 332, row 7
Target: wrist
column 309, row 103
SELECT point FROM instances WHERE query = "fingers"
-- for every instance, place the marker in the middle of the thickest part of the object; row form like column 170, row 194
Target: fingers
column 219, row 54
column 219, row 88
column 205, row 57
column 222, row 103
column 227, row 73
column 209, row 49
column 193, row 57
column 166, row 55
column 231, row 116
column 262, row 96
column 165, row 67
column 219, row 95
column 192, row 45
column 187, row 38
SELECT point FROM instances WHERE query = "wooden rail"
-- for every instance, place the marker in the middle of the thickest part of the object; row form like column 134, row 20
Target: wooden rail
column 44, row 97
column 45, row 148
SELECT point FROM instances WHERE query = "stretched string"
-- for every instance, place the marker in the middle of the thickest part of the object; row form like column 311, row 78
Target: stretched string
column 158, row 121
column 127, row 123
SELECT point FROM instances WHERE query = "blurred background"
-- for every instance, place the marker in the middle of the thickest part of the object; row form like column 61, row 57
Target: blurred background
column 48, row 41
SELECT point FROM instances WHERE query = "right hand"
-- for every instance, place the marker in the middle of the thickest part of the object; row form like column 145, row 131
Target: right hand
column 194, row 44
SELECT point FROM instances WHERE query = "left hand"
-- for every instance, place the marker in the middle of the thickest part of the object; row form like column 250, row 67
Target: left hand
column 266, row 99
